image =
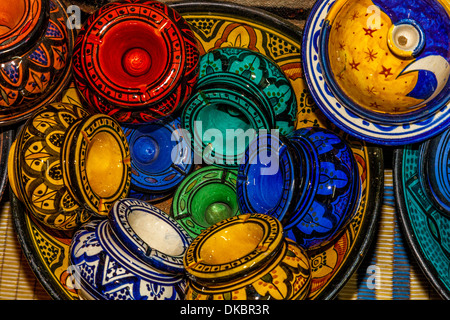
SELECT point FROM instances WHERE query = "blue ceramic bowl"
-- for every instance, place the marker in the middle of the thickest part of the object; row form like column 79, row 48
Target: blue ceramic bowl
column 161, row 157
column 308, row 180
column 136, row 254
column 238, row 89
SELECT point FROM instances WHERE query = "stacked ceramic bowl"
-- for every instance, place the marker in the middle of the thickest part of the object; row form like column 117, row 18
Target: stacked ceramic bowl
column 206, row 152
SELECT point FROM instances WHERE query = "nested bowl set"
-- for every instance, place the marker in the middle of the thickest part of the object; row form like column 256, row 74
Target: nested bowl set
column 215, row 151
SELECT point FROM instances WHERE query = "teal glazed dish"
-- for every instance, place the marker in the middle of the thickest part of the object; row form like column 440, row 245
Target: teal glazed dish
column 239, row 93
column 426, row 227
column 310, row 183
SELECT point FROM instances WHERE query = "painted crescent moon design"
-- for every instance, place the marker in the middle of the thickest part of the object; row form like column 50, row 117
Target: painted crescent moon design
column 434, row 72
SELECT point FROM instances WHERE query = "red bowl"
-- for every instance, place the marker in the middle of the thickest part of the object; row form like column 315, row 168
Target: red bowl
column 136, row 61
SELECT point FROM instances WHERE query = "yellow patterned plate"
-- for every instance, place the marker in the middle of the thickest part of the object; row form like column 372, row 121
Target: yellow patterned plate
column 225, row 24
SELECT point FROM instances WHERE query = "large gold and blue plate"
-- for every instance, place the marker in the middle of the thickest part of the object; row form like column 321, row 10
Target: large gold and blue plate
column 219, row 25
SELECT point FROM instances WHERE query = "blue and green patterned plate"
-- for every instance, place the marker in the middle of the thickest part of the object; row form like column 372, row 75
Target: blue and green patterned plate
column 426, row 229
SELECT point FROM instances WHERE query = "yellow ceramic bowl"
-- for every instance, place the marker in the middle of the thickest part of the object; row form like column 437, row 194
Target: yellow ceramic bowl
column 246, row 257
column 67, row 165
column 388, row 62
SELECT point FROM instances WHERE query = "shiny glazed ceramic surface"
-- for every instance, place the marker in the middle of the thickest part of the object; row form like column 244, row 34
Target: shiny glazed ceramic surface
column 425, row 226
column 434, row 170
column 96, row 163
column 220, row 25
column 380, row 69
column 136, row 61
column 136, row 254
column 312, row 184
column 205, row 197
column 35, row 56
column 246, row 258
column 22, row 24
column 38, row 146
column 241, row 90
column 161, row 157
column 6, row 139
column 53, row 171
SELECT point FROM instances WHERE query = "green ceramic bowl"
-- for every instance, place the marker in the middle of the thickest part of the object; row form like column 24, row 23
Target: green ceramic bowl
column 204, row 198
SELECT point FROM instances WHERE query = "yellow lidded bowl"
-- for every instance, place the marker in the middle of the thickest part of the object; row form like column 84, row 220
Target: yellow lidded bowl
column 246, row 257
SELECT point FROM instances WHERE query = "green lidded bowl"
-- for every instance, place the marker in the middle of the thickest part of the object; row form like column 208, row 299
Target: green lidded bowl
column 205, row 197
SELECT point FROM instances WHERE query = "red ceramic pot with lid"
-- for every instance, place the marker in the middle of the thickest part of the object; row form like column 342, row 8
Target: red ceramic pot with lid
column 136, row 61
